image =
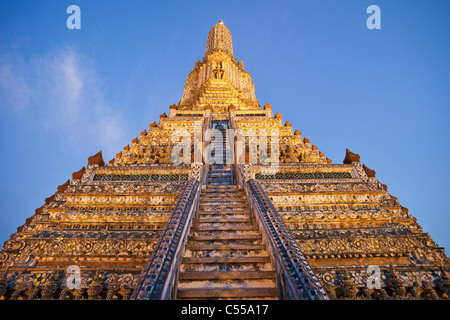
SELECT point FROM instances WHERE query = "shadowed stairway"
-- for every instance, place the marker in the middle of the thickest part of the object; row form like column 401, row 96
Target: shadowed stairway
column 224, row 256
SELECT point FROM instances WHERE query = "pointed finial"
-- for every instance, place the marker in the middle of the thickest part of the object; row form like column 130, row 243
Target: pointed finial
column 78, row 174
column 219, row 38
column 350, row 157
column 64, row 186
column 96, row 159
column 370, row 173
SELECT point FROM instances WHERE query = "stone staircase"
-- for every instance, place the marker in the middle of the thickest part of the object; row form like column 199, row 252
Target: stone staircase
column 224, row 256
column 220, row 175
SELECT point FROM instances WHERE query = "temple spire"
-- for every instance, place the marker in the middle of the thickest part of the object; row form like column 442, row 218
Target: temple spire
column 219, row 37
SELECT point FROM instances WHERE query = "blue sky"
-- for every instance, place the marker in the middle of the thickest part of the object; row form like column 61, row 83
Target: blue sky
column 384, row 94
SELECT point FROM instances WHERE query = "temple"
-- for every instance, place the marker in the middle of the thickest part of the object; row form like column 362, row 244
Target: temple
column 222, row 199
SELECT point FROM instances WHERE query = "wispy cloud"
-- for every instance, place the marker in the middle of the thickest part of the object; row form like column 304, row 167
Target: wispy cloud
column 64, row 93
column 16, row 93
column 63, row 76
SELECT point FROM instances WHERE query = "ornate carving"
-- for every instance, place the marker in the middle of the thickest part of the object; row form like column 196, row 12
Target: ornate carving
column 348, row 286
column 307, row 282
column 96, row 286
column 247, row 172
column 197, row 169
column 50, row 286
column 156, row 270
column 396, row 284
column 324, row 216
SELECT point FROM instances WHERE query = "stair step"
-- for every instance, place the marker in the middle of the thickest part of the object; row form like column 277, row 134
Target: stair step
column 227, row 283
column 226, row 237
column 236, row 275
column 226, row 197
column 214, row 181
column 233, row 186
column 224, row 212
column 223, row 191
column 227, row 234
column 207, row 202
column 223, row 199
column 222, row 220
column 225, row 228
column 217, row 206
column 225, row 182
column 223, row 173
column 241, row 208
column 233, row 198
column 223, row 194
column 209, row 191
column 240, row 260
column 221, row 183
column 212, row 218
column 219, row 175
column 220, row 171
column 224, row 216
column 229, row 192
column 224, row 255
column 209, row 247
column 230, row 188
column 227, row 293
column 220, row 215
column 211, row 211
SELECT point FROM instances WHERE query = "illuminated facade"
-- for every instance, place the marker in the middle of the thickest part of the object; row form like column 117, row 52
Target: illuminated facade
column 269, row 217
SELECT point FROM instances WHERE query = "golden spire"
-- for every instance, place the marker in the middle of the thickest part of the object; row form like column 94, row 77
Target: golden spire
column 219, row 37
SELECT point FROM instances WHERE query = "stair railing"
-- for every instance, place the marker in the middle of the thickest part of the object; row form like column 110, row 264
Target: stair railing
column 159, row 278
column 295, row 278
